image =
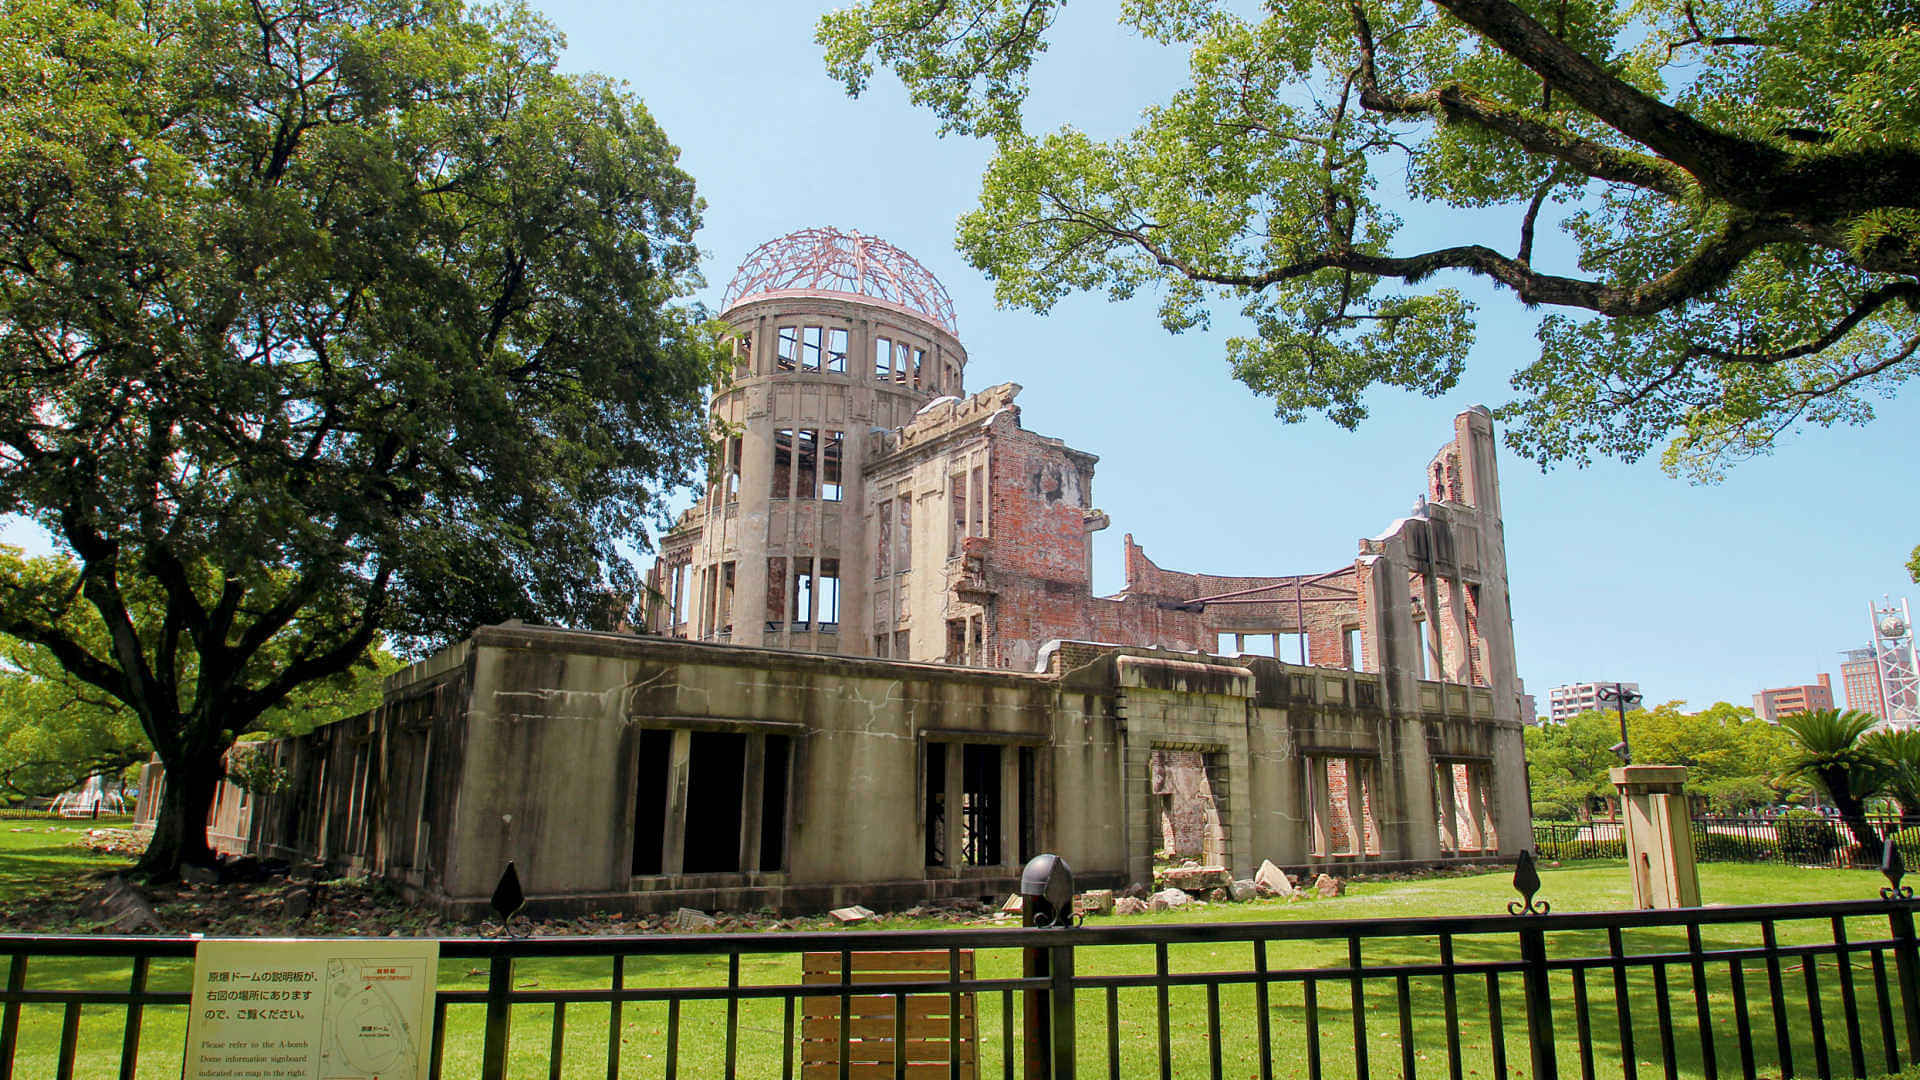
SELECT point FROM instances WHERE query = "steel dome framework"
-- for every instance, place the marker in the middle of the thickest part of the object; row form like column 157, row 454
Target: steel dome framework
column 833, row 260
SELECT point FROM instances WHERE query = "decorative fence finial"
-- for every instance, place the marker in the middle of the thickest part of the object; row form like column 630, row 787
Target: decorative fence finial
column 1895, row 868
column 1526, row 881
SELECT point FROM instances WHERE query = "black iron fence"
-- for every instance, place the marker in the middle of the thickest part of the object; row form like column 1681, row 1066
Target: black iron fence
column 1821, row 989
column 1792, row 841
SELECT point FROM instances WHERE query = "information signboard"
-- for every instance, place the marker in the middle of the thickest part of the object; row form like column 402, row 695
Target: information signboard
column 336, row 1009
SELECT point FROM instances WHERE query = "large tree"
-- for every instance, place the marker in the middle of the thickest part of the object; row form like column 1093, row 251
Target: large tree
column 1737, row 183
column 57, row 730
column 322, row 320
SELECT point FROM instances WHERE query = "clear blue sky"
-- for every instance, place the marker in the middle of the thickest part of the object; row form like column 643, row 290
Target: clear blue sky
column 1698, row 593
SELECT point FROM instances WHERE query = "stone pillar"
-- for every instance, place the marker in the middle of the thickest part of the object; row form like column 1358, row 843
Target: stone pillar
column 1653, row 810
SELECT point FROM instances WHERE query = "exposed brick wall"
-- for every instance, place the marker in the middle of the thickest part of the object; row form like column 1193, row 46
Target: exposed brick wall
column 1323, row 606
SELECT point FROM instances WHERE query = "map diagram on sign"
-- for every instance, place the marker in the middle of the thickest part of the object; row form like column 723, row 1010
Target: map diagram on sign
column 364, row 1031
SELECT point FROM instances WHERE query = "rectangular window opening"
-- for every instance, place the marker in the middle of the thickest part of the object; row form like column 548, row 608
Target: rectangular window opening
column 829, row 590
column 904, row 541
column 902, row 645
column 980, row 805
column 726, row 598
column 956, row 640
column 783, row 463
column 900, row 363
column 773, row 804
column 776, row 593
column 802, row 593
column 976, row 504
column 1350, row 648
column 837, row 350
column 810, row 349
column 716, row 776
column 882, row 358
column 787, row 352
column 957, row 505
column 650, row 801
column 919, row 367
column 733, row 466
column 883, row 547
column 880, row 646
column 832, row 451
column 806, row 482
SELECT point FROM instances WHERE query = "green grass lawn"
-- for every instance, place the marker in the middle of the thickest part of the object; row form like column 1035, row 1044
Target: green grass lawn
column 1588, row 887
column 38, row 856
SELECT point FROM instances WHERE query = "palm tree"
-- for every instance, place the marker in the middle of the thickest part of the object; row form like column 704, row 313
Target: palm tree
column 1831, row 752
column 1899, row 754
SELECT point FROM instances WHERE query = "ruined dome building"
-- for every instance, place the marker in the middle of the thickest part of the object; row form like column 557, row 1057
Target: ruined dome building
column 873, row 668
column 864, row 503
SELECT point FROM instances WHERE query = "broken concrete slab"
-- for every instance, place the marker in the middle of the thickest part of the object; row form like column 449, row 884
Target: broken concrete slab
column 1273, row 879
column 854, row 914
column 689, row 919
column 1195, row 879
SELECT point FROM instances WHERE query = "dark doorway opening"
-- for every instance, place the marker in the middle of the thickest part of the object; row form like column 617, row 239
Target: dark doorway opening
column 980, row 798
column 716, row 776
column 650, row 801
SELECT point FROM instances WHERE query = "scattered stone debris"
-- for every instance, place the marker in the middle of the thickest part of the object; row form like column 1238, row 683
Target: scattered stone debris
column 1243, row 890
column 1095, row 902
column 297, row 903
column 687, row 920
column 1167, row 899
column 1015, row 904
column 1135, row 890
column 1329, row 887
column 1129, row 905
column 121, row 907
column 855, row 914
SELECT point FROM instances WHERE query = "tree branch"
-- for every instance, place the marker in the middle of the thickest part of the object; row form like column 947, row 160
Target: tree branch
column 1907, row 291
column 1457, row 104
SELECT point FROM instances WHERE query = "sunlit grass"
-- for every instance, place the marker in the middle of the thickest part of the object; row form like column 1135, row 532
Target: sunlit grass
column 759, row 1025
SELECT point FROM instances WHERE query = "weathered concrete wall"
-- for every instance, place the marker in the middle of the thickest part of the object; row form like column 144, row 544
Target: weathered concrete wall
column 535, row 746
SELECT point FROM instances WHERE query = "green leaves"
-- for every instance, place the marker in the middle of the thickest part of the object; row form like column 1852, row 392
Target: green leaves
column 1735, row 178
column 319, row 324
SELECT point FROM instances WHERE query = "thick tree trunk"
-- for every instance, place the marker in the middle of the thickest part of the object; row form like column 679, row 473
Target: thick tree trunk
column 180, row 825
column 1854, row 813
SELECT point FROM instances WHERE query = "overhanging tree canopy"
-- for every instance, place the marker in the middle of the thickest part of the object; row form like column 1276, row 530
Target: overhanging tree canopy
column 1740, row 178
column 323, row 320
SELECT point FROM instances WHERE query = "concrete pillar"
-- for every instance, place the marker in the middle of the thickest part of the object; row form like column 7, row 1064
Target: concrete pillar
column 1436, row 665
column 751, row 798
column 1659, row 835
column 1449, row 810
column 1010, row 806
column 673, row 848
column 1356, row 809
column 1321, row 808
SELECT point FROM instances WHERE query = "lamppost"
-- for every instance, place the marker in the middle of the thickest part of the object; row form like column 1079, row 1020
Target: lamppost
column 1621, row 697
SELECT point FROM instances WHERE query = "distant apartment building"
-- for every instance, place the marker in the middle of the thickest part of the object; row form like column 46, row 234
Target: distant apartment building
column 1566, row 702
column 1860, row 678
column 1771, row 705
column 1529, row 709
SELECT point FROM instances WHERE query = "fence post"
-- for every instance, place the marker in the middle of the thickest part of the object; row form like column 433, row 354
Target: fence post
column 1061, row 1006
column 493, row 1053
column 1035, row 1021
column 1907, row 964
column 1533, row 955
